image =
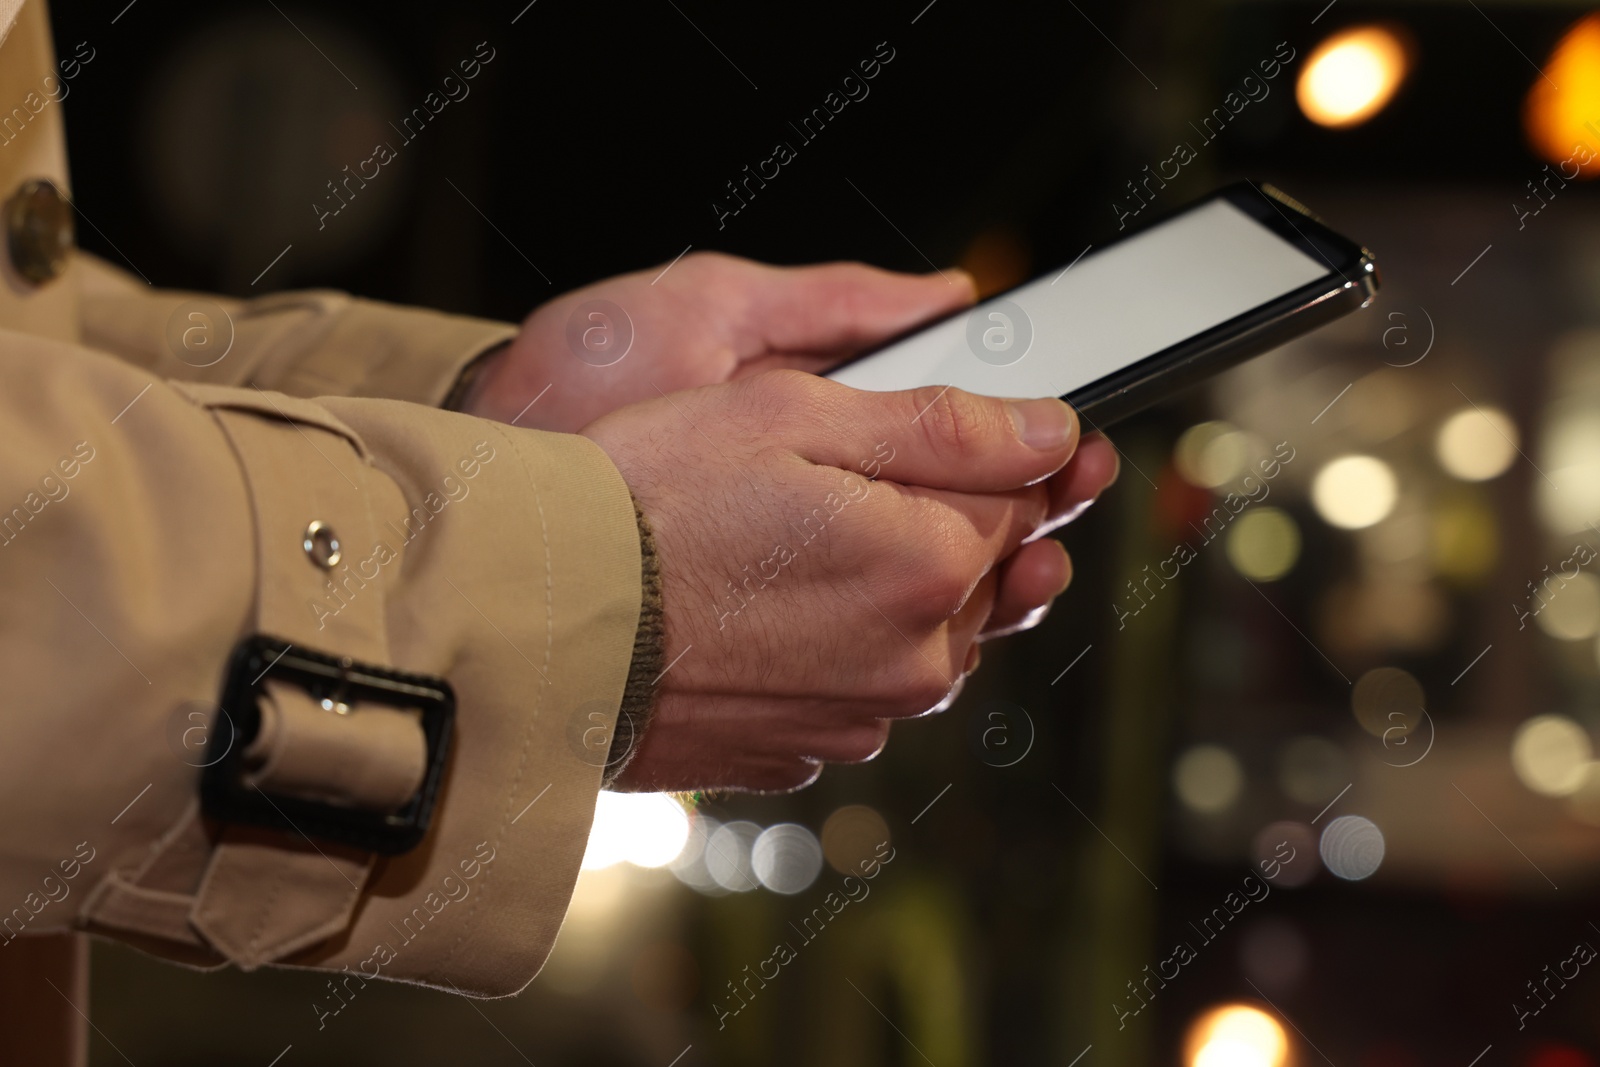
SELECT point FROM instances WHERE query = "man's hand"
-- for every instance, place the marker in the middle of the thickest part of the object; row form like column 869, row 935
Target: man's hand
column 708, row 319
column 808, row 604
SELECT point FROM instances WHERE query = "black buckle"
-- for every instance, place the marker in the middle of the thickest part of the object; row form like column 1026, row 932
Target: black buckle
column 335, row 681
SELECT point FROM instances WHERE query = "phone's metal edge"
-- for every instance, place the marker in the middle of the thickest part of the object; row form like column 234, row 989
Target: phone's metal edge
column 1111, row 399
column 1129, row 391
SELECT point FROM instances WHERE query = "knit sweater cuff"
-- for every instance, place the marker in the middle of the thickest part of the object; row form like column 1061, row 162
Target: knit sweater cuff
column 649, row 641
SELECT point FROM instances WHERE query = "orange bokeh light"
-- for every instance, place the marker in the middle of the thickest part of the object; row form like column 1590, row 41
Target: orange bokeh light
column 1351, row 76
column 1562, row 111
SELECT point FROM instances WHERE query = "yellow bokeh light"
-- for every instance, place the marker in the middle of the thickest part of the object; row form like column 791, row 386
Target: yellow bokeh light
column 1388, row 702
column 1351, row 76
column 1562, row 111
column 1212, row 454
column 1465, row 541
column 1354, row 492
column 1568, row 608
column 1237, row 1035
column 1208, row 779
column 1263, row 544
column 1551, row 755
column 1476, row 444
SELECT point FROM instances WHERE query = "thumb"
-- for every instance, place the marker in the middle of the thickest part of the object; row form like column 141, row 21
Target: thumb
column 837, row 309
column 938, row 437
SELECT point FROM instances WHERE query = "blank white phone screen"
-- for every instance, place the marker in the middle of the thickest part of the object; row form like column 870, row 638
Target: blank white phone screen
column 1112, row 308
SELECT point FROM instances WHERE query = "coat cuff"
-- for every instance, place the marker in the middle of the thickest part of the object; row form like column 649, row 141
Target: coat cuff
column 505, row 560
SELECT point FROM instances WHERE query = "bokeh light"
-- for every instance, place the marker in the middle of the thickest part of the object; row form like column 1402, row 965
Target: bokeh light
column 1385, row 698
column 1464, row 539
column 1349, row 77
column 1354, row 492
column 690, row 866
column 1290, row 849
column 1208, row 779
column 1476, row 444
column 1312, row 770
column 645, row 829
column 1563, row 102
column 1549, row 1054
column 852, row 834
column 1236, row 1035
column 1263, row 544
column 1550, row 754
column 1275, row 953
column 1351, row 847
column 1571, row 606
column 728, row 856
column 786, row 858
column 1212, row 454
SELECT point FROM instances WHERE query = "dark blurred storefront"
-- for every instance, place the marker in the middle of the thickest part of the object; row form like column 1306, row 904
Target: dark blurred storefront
column 1379, row 682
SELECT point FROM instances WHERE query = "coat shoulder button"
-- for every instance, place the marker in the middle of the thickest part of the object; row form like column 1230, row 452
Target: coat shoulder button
column 38, row 230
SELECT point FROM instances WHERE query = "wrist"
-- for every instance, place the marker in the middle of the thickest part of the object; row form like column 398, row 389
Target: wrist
column 471, row 384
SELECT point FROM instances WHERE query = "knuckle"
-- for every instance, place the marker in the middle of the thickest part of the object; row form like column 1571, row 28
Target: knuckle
column 703, row 265
column 944, row 579
column 923, row 693
column 777, row 401
column 787, row 776
column 862, row 743
column 953, row 421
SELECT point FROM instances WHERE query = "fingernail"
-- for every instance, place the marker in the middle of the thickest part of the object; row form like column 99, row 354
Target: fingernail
column 1066, row 569
column 1045, row 424
column 974, row 657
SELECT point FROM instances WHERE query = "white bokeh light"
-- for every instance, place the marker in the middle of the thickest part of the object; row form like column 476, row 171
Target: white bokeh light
column 1354, row 492
column 1352, row 847
column 728, row 856
column 645, row 829
column 1550, row 754
column 1476, row 444
column 786, row 858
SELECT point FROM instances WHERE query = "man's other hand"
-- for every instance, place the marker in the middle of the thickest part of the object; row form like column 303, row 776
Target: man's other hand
column 705, row 320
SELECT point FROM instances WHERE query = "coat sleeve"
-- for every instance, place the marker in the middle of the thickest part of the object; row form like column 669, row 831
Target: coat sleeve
column 147, row 527
column 305, row 343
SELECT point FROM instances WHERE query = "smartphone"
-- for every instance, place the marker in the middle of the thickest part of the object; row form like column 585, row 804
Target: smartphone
column 1138, row 319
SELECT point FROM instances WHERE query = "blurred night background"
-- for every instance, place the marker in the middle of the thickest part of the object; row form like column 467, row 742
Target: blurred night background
column 1387, row 668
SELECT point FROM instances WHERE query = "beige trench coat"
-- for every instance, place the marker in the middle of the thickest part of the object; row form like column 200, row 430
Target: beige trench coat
column 153, row 513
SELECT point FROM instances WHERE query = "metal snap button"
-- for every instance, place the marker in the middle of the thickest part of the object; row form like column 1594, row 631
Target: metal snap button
column 38, row 223
column 322, row 545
